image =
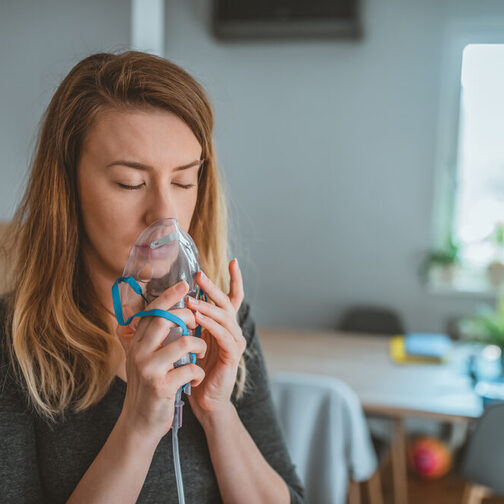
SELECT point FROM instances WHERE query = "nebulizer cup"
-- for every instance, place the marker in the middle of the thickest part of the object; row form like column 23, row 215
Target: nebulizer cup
column 162, row 256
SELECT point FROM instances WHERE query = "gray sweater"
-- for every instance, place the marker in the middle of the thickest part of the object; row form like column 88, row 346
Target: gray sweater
column 42, row 463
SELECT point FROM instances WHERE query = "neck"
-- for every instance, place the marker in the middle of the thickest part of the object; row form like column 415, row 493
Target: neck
column 102, row 279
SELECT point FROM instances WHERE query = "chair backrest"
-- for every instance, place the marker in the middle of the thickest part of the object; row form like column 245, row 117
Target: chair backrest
column 483, row 458
column 371, row 320
column 326, row 432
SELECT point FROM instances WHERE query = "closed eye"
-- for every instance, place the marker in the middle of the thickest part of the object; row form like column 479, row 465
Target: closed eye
column 130, row 187
column 183, row 186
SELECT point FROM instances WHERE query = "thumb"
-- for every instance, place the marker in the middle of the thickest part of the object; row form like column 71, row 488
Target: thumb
column 126, row 333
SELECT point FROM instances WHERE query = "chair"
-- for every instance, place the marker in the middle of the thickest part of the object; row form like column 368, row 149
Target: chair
column 327, row 436
column 380, row 320
column 371, row 320
column 482, row 460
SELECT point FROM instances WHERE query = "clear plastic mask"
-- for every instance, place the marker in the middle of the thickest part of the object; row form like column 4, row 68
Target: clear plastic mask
column 162, row 256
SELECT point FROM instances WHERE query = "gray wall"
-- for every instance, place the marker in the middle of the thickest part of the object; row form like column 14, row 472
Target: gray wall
column 40, row 41
column 327, row 148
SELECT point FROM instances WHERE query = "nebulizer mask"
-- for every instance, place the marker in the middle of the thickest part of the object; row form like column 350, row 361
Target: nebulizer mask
column 162, row 256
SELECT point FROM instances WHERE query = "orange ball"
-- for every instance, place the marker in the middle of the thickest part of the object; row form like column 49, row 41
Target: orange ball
column 430, row 457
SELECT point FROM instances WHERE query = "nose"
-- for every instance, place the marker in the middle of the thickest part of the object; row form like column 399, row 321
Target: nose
column 160, row 205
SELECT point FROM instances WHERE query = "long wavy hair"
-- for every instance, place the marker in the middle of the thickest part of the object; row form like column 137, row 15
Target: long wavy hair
column 56, row 329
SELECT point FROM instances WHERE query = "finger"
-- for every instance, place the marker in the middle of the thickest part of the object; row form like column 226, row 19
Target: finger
column 167, row 299
column 210, row 310
column 219, row 298
column 128, row 312
column 159, row 329
column 217, row 314
column 162, row 360
column 236, row 285
column 124, row 339
column 224, row 339
column 125, row 333
column 191, row 373
column 166, row 386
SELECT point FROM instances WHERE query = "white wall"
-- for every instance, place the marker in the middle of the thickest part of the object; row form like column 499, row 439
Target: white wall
column 327, row 148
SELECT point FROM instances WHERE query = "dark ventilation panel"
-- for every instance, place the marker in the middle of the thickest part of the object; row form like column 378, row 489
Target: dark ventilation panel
column 273, row 19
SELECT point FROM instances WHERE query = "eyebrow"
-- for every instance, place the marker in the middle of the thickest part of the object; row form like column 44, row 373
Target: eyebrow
column 141, row 166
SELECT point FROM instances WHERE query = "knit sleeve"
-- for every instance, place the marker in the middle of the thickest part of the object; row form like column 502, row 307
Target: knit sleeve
column 19, row 472
column 256, row 410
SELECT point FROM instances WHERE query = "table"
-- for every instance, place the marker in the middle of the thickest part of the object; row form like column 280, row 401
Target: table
column 397, row 391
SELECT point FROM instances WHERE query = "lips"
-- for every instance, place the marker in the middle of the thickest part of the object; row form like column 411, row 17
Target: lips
column 147, row 252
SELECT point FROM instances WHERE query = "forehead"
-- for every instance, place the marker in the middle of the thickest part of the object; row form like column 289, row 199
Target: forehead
column 152, row 136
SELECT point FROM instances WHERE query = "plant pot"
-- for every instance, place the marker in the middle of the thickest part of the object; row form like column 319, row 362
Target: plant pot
column 495, row 273
column 443, row 274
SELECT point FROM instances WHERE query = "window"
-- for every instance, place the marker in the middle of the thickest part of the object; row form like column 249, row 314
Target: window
column 478, row 217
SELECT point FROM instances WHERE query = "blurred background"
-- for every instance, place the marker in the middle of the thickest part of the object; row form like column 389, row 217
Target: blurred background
column 361, row 150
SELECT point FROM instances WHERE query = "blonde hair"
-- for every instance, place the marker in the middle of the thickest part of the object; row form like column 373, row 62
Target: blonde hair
column 56, row 329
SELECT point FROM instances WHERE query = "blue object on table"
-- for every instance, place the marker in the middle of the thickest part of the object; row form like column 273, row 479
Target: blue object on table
column 490, row 391
column 427, row 344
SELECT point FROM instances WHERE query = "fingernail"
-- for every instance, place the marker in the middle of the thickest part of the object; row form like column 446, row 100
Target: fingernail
column 203, row 276
column 236, row 260
column 181, row 286
column 192, row 300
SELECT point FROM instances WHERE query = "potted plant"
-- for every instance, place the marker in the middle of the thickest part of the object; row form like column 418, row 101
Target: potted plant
column 495, row 270
column 486, row 326
column 441, row 264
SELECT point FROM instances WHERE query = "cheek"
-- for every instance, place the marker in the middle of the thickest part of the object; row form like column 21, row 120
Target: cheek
column 187, row 210
column 106, row 222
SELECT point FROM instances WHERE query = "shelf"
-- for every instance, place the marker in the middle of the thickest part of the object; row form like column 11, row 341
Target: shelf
column 462, row 281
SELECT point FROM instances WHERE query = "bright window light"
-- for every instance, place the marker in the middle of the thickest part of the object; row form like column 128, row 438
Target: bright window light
column 479, row 202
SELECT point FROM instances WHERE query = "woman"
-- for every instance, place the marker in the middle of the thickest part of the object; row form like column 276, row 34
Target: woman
column 86, row 404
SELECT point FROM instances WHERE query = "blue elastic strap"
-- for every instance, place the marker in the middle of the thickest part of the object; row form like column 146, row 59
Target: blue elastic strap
column 156, row 312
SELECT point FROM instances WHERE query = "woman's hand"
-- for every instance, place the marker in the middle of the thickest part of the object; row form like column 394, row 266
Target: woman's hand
column 152, row 380
column 225, row 343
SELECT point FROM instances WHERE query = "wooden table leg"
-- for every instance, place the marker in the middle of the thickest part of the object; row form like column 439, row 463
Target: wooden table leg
column 398, row 457
column 354, row 493
column 474, row 494
column 375, row 492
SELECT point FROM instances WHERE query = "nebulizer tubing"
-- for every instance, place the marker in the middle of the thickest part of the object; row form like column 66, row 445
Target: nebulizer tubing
column 175, row 446
column 177, row 417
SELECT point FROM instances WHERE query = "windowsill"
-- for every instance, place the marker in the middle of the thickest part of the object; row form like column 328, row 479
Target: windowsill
column 462, row 281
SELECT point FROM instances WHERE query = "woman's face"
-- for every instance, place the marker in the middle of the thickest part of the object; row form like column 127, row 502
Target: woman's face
column 135, row 167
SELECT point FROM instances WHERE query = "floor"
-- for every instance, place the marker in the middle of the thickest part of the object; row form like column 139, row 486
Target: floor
column 446, row 490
